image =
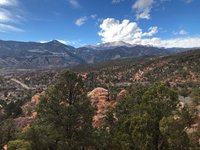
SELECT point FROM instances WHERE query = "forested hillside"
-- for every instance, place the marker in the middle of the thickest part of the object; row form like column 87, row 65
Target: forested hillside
column 131, row 104
column 180, row 69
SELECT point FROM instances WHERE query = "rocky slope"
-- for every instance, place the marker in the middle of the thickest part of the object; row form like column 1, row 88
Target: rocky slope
column 99, row 98
column 53, row 54
column 179, row 69
column 103, row 54
column 37, row 55
column 102, row 101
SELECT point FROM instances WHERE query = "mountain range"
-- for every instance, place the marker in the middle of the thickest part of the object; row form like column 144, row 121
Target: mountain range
column 53, row 54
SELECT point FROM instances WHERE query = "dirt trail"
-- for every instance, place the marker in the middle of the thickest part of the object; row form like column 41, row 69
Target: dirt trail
column 22, row 84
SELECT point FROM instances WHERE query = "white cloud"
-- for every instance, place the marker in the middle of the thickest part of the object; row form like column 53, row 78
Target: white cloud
column 10, row 15
column 181, row 32
column 117, row 1
column 93, row 16
column 7, row 16
column 80, row 21
column 62, row 41
column 113, row 30
column 75, row 43
column 152, row 31
column 9, row 28
column 4, row 16
column 74, row 3
column 143, row 8
column 8, row 2
column 43, row 41
column 178, row 42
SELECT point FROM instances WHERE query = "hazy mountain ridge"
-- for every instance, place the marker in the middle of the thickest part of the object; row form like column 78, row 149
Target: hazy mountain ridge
column 177, row 69
column 37, row 55
column 121, row 52
column 54, row 54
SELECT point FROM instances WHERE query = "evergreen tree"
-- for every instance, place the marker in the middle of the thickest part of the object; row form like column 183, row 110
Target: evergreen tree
column 19, row 145
column 145, row 120
column 64, row 117
column 7, row 131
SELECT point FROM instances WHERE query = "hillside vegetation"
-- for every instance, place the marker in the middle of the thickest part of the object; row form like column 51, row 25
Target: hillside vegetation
column 179, row 69
column 147, row 103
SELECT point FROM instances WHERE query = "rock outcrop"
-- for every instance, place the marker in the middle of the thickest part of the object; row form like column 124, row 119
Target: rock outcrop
column 29, row 108
column 29, row 113
column 99, row 98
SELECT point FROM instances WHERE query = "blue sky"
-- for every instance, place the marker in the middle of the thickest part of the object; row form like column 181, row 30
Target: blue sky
column 168, row 23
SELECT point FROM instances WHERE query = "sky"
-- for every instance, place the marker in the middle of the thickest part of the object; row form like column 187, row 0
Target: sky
column 162, row 23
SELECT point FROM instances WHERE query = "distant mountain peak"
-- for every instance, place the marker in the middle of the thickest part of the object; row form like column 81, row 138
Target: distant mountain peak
column 54, row 42
column 116, row 44
column 109, row 45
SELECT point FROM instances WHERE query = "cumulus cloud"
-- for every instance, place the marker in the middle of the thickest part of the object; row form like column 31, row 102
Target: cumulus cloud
column 143, row 8
column 117, row 1
column 80, row 21
column 152, row 31
column 74, row 3
column 113, row 30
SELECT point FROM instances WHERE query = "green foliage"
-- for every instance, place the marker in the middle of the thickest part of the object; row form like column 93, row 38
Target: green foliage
column 13, row 109
column 195, row 96
column 7, row 131
column 159, row 101
column 40, row 136
column 145, row 120
column 184, row 92
column 173, row 134
column 19, row 145
column 194, row 139
column 64, row 117
column 188, row 114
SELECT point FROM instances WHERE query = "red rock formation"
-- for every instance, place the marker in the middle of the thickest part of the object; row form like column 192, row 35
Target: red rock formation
column 29, row 107
column 29, row 113
column 36, row 98
column 99, row 99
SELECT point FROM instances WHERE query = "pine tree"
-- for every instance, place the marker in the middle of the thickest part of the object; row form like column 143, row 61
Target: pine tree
column 64, row 117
